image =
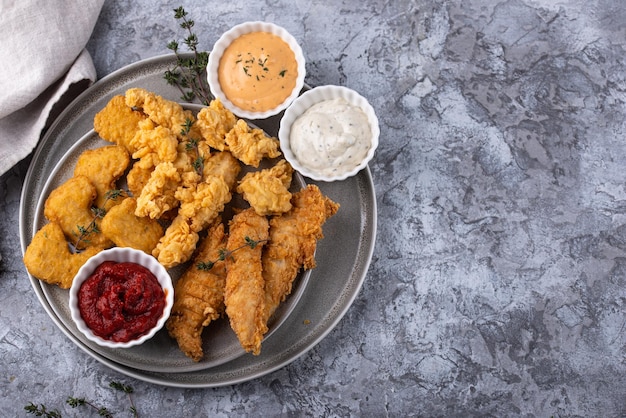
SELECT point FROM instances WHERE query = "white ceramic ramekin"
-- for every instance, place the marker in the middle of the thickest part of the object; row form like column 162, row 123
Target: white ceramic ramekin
column 119, row 254
column 312, row 97
column 226, row 39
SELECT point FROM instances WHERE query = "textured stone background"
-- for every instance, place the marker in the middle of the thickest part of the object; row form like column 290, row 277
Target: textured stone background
column 498, row 284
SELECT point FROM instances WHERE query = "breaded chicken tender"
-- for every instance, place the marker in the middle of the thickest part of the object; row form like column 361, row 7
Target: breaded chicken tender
column 245, row 295
column 103, row 167
column 154, row 144
column 157, row 196
column 224, row 165
column 178, row 243
column 214, row 122
column 163, row 112
column 267, row 190
column 137, row 177
column 69, row 205
column 249, row 145
column 48, row 257
column 125, row 229
column 117, row 122
column 199, row 294
column 203, row 202
column 292, row 244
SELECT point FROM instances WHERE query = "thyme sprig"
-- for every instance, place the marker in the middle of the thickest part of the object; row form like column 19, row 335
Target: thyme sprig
column 223, row 253
column 42, row 411
column 98, row 213
column 188, row 74
column 191, row 145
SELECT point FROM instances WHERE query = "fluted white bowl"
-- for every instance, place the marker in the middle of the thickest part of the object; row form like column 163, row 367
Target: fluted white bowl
column 226, row 39
column 311, row 98
column 120, row 255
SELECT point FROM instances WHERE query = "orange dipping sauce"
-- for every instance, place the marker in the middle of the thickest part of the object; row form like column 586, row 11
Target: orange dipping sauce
column 258, row 71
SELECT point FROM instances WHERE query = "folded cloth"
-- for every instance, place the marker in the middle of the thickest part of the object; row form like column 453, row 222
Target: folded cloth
column 43, row 63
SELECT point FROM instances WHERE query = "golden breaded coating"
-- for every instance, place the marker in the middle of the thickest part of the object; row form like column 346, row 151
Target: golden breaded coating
column 125, row 229
column 245, row 295
column 292, row 244
column 69, row 205
column 163, row 112
column 203, row 202
column 157, row 196
column 103, row 167
column 137, row 177
column 117, row 122
column 154, row 143
column 249, row 145
column 267, row 190
column 177, row 245
column 48, row 257
column 214, row 122
column 224, row 165
column 199, row 294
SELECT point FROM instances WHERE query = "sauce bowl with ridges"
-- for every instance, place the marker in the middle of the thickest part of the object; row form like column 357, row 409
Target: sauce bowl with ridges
column 226, row 39
column 304, row 103
column 121, row 255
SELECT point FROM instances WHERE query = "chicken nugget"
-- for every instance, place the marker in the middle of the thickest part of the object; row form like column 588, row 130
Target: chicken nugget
column 125, row 229
column 48, row 257
column 103, row 167
column 69, row 205
column 249, row 145
column 117, row 122
column 267, row 190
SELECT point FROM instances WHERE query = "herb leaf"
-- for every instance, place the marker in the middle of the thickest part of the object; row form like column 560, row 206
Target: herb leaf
column 188, row 74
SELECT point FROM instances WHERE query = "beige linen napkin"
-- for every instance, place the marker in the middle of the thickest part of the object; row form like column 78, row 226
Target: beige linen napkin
column 43, row 63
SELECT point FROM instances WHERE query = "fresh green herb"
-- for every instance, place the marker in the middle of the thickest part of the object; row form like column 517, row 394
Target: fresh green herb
column 223, row 253
column 43, row 411
column 76, row 402
column 188, row 74
column 128, row 390
column 98, row 213
column 191, row 145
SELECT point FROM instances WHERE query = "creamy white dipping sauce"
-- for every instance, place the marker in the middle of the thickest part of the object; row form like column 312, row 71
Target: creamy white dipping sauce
column 331, row 138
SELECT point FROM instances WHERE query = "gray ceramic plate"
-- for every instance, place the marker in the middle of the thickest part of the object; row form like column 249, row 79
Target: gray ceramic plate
column 343, row 256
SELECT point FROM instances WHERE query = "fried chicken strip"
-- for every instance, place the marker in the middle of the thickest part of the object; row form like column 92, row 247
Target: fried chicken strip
column 201, row 203
column 250, row 145
column 214, row 122
column 267, row 190
column 163, row 112
column 178, row 243
column 245, row 296
column 292, row 243
column 199, row 294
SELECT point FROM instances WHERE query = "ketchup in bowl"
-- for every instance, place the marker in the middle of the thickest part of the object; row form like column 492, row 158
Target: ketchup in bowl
column 120, row 301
